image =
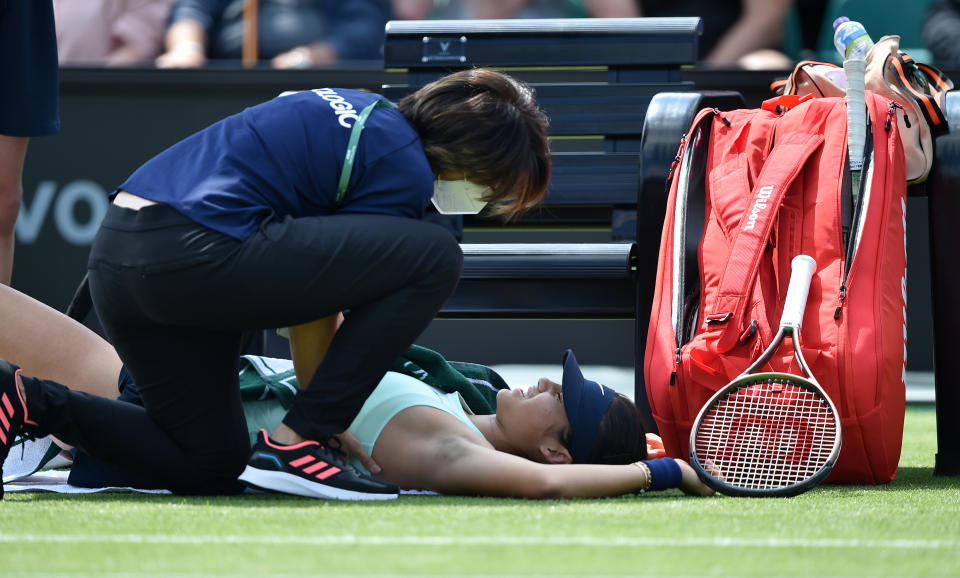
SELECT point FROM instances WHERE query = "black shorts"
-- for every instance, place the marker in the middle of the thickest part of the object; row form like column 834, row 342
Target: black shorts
column 29, row 75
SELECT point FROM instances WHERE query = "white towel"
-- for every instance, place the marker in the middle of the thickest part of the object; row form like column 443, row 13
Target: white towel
column 56, row 481
column 28, row 456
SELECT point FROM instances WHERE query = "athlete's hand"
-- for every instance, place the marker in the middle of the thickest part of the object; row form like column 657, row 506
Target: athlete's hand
column 352, row 447
column 691, row 483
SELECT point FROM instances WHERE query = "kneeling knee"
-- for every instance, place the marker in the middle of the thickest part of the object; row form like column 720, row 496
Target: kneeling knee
column 447, row 258
column 218, row 473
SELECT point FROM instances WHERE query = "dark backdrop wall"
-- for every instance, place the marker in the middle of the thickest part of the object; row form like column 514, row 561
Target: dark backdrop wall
column 113, row 120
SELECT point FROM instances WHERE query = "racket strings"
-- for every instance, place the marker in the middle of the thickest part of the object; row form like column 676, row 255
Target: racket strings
column 767, row 434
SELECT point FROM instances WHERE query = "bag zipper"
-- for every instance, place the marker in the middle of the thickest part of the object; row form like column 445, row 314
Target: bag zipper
column 892, row 115
column 676, row 161
column 852, row 243
column 681, row 165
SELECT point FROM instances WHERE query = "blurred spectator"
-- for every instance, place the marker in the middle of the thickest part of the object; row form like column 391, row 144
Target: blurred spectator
column 745, row 33
column 809, row 15
column 29, row 103
column 941, row 30
column 412, row 9
column 485, row 9
column 110, row 32
column 292, row 33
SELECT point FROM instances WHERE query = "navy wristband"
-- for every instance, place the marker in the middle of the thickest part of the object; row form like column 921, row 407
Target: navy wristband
column 665, row 473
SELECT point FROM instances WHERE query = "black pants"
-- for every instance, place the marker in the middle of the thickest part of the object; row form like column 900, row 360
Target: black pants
column 174, row 297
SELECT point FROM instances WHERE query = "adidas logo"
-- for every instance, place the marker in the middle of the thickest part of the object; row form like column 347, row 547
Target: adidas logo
column 314, row 467
column 6, row 418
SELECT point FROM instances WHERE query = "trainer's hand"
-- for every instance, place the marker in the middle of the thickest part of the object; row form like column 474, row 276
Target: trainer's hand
column 690, row 483
column 352, row 447
column 655, row 447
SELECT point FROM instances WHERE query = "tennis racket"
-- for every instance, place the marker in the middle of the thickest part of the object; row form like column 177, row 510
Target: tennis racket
column 769, row 433
column 856, row 119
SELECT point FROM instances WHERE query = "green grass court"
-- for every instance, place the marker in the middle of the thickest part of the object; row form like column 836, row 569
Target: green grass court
column 908, row 528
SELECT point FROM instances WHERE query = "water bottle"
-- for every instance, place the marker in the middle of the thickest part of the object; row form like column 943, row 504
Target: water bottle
column 851, row 39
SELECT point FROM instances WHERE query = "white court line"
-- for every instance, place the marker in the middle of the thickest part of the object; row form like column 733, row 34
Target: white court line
column 589, row 541
column 414, row 574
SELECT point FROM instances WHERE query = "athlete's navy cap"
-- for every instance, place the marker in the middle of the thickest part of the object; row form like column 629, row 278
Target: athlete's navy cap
column 585, row 401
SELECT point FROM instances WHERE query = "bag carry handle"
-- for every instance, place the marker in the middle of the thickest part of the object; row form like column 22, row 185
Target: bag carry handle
column 783, row 102
column 780, row 169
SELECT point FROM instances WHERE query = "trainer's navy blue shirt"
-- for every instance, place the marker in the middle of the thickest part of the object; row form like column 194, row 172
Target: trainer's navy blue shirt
column 284, row 157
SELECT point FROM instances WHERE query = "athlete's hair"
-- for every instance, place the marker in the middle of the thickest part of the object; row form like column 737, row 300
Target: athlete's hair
column 488, row 126
column 621, row 438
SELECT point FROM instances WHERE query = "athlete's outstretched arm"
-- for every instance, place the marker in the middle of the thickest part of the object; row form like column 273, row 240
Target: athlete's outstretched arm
column 426, row 449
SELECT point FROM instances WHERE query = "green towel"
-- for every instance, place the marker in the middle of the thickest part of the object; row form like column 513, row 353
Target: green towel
column 263, row 378
column 478, row 384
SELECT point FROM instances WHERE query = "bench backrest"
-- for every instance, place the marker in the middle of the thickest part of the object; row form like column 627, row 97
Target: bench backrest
column 593, row 77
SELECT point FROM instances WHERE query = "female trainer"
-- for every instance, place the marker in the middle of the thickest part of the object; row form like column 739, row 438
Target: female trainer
column 286, row 215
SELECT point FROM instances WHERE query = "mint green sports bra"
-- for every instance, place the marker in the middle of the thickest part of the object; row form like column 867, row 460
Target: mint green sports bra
column 395, row 393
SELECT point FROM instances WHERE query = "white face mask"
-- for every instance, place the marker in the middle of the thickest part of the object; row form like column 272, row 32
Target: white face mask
column 458, row 197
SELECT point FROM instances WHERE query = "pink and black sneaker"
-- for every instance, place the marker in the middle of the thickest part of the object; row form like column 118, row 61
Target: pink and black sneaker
column 312, row 470
column 13, row 411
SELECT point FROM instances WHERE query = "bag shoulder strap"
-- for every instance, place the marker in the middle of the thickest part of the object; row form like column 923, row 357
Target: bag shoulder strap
column 781, row 167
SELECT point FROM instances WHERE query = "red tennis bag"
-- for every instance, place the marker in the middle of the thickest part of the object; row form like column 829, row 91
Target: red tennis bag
column 750, row 190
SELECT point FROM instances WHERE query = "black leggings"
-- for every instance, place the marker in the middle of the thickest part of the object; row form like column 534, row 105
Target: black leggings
column 174, row 297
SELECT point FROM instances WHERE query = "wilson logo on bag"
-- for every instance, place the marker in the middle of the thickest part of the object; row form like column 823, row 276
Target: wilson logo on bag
column 752, row 189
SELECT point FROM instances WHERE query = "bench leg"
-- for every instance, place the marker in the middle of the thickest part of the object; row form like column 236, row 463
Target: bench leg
column 944, row 199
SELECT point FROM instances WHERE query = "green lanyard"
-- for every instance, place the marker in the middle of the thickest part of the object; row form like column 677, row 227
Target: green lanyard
column 351, row 155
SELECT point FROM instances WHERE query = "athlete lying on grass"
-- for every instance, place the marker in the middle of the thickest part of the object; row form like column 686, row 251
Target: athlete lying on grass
column 547, row 441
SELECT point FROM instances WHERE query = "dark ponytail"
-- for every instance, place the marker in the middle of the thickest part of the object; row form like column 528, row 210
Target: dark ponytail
column 621, row 438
